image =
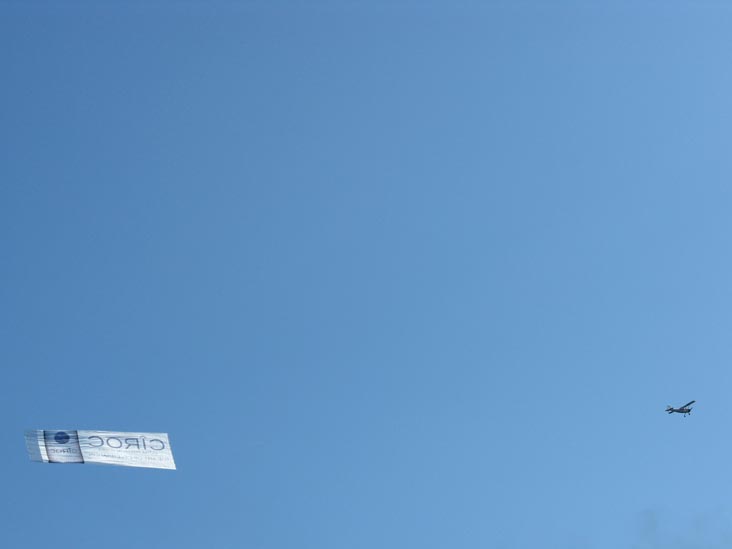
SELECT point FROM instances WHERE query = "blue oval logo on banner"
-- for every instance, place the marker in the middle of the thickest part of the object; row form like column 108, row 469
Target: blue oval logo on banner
column 61, row 437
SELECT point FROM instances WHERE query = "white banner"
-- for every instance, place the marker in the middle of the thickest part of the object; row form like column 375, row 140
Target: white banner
column 108, row 447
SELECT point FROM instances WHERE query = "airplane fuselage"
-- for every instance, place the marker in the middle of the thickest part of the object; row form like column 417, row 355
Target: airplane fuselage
column 680, row 410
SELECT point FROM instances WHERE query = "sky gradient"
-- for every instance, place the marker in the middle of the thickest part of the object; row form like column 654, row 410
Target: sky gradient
column 391, row 275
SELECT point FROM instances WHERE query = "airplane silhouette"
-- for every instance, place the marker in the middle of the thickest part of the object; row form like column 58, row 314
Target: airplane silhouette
column 685, row 409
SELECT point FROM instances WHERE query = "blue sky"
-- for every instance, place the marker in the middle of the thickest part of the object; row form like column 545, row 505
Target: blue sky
column 390, row 274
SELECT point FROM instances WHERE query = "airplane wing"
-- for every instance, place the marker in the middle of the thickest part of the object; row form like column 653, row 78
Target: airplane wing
column 688, row 404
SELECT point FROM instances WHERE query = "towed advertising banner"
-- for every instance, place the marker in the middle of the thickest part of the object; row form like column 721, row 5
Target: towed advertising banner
column 108, row 447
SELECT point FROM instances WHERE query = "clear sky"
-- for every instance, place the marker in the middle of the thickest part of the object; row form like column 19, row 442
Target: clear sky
column 392, row 275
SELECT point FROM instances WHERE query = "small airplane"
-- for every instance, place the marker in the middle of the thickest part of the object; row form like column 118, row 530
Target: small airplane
column 685, row 409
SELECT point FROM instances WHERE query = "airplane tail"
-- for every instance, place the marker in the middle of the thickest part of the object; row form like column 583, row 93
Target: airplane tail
column 669, row 409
